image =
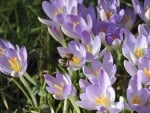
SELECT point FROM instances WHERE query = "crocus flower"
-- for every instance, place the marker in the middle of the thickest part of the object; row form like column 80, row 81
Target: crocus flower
column 114, row 35
column 142, row 11
column 138, row 96
column 96, row 66
column 75, row 55
column 109, row 11
column 56, row 9
column 144, row 29
column 109, row 33
column 144, row 70
column 101, row 99
column 74, row 25
column 134, row 48
column 92, row 45
column 14, row 62
column 60, row 86
column 129, row 18
column 4, row 45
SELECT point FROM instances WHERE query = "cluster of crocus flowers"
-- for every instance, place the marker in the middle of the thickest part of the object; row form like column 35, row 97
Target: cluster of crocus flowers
column 136, row 50
column 87, row 31
column 13, row 61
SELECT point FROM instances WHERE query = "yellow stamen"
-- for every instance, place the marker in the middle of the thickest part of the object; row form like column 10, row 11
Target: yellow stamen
column 75, row 23
column 58, row 87
column 136, row 100
column 126, row 18
column 14, row 64
column 138, row 52
column 95, row 72
column 76, row 60
column 89, row 48
column 58, row 11
column 147, row 72
column 101, row 100
column 108, row 14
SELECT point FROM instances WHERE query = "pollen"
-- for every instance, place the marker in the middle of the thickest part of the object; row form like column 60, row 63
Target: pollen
column 75, row 23
column 58, row 87
column 76, row 60
column 108, row 14
column 89, row 48
column 101, row 100
column 57, row 11
column 136, row 100
column 95, row 72
column 147, row 72
column 14, row 64
column 138, row 52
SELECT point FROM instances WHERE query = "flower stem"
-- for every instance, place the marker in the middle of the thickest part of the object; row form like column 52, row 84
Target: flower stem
column 24, row 82
column 20, row 87
column 65, row 106
column 73, row 102
column 30, row 79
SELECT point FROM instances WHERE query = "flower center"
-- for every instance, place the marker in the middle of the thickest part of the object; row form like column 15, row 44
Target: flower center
column 147, row 72
column 14, row 64
column 76, row 60
column 108, row 14
column 58, row 87
column 136, row 100
column 75, row 23
column 89, row 48
column 57, row 11
column 101, row 100
column 138, row 52
column 126, row 18
column 114, row 37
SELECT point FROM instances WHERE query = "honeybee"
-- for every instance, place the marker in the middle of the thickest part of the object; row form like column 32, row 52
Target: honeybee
column 64, row 61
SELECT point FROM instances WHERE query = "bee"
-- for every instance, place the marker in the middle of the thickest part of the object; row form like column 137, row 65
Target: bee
column 64, row 61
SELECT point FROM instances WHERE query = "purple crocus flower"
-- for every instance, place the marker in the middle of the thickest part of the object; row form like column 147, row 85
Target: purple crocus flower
column 4, row 45
column 109, row 11
column 129, row 18
column 92, row 45
column 114, row 35
column 14, row 62
column 144, row 70
column 76, row 53
column 138, row 96
column 142, row 11
column 109, row 33
column 60, row 86
column 96, row 66
column 101, row 99
column 134, row 48
column 144, row 29
column 74, row 25
column 56, row 9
